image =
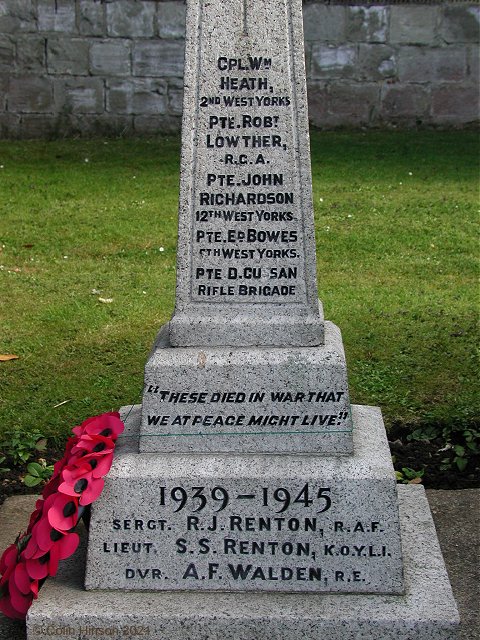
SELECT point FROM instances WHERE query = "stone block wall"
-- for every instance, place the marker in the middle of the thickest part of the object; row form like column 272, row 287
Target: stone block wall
column 114, row 67
column 392, row 65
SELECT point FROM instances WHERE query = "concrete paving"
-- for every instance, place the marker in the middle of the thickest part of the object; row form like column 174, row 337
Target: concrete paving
column 456, row 516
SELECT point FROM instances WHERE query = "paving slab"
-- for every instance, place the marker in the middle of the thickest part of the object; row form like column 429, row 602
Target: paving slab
column 456, row 515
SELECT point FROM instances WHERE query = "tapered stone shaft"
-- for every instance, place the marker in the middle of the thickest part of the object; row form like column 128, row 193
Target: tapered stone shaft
column 246, row 271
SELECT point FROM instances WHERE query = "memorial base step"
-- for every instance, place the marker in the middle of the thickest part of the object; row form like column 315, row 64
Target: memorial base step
column 247, row 399
column 426, row 611
column 222, row 522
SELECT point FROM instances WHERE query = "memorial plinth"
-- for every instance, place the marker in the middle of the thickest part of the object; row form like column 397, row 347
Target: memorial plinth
column 426, row 612
column 247, row 400
column 250, row 523
column 246, row 469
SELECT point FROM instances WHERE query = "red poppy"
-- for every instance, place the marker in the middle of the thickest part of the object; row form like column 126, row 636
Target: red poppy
column 17, row 588
column 20, row 591
column 7, row 609
column 107, row 424
column 41, row 508
column 48, row 546
column 94, row 443
column 58, row 466
column 54, row 482
column 38, row 567
column 78, row 481
column 33, row 549
column 21, row 578
column 36, row 513
column 47, row 565
column 8, row 562
column 99, row 462
column 62, row 513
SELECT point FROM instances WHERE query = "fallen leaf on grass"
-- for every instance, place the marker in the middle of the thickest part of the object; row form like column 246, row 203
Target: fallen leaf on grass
column 5, row 358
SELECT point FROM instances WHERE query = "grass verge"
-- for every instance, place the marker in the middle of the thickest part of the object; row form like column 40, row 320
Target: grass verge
column 86, row 222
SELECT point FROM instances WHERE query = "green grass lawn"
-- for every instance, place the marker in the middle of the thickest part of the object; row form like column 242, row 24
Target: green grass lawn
column 396, row 224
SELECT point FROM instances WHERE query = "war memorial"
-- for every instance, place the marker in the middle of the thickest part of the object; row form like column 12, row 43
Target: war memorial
column 248, row 498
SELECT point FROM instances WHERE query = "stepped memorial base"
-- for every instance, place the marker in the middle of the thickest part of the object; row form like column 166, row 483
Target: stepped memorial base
column 426, row 611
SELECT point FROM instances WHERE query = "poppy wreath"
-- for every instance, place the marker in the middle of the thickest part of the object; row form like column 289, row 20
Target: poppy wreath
column 77, row 481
